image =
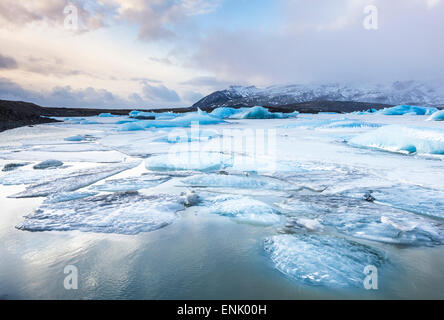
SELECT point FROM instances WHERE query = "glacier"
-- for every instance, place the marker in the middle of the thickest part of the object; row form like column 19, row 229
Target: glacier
column 322, row 260
column 403, row 139
column 127, row 213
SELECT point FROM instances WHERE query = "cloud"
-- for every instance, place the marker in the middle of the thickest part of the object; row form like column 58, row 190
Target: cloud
column 7, row 62
column 17, row 13
column 192, row 97
column 208, row 82
column 328, row 43
column 66, row 96
column 160, row 93
column 155, row 19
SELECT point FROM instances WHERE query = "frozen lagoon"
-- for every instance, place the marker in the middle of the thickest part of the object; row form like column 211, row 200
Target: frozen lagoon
column 184, row 220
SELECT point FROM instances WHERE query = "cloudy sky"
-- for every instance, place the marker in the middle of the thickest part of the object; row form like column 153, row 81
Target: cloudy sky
column 158, row 53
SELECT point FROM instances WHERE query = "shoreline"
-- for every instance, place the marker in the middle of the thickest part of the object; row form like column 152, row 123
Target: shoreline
column 14, row 114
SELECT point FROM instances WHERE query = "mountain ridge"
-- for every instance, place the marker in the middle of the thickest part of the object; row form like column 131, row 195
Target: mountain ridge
column 399, row 92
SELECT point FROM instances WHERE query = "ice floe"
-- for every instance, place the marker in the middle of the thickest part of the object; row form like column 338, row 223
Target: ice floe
column 366, row 220
column 322, row 260
column 198, row 161
column 403, row 139
column 127, row 213
column 332, row 124
column 74, row 180
column 131, row 183
column 68, row 196
column 417, row 199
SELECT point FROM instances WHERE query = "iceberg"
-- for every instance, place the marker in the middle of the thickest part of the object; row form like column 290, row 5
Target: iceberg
column 126, row 213
column 262, row 113
column 106, row 115
column 322, row 260
column 402, row 139
column 73, row 181
column 225, row 112
column 437, row 116
column 48, row 164
column 408, row 110
column 200, row 117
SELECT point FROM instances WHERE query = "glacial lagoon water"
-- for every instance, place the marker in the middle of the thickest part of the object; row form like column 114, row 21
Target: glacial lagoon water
column 300, row 222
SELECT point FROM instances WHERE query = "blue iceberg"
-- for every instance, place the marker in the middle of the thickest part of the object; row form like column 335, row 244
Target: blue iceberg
column 437, row 116
column 408, row 110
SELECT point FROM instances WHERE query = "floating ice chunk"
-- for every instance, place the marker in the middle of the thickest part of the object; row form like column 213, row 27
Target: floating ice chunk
column 75, row 180
column 262, row 113
column 68, row 196
column 322, row 260
column 240, row 208
column 131, row 184
column 237, row 181
column 437, row 116
column 19, row 177
column 106, row 115
column 75, row 138
column 246, row 210
column 196, row 161
column 13, row 166
column 123, row 213
column 403, row 139
column 131, row 126
column 48, row 164
column 408, row 110
column 310, row 224
column 420, row 200
column 366, row 220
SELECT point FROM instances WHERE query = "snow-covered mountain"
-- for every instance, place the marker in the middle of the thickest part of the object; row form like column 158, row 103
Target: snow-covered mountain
column 400, row 92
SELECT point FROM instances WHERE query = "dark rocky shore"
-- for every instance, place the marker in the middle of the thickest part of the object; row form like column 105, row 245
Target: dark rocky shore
column 15, row 114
